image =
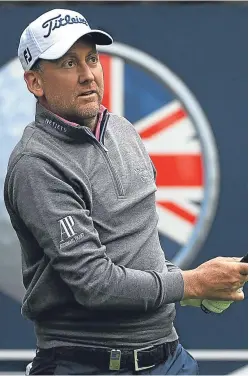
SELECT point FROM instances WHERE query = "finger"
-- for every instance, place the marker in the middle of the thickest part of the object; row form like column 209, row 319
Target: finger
column 244, row 280
column 237, row 295
column 237, row 258
column 233, row 259
column 236, row 287
column 239, row 284
column 243, row 268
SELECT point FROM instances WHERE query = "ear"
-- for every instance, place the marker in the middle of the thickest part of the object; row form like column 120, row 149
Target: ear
column 34, row 83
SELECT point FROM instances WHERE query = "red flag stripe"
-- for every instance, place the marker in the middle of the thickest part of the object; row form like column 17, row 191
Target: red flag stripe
column 184, row 170
column 163, row 123
column 106, row 65
column 178, row 211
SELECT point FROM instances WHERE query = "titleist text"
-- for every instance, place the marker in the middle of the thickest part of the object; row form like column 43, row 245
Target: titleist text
column 58, row 21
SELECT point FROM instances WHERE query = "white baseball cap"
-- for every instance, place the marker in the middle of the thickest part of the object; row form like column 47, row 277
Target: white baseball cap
column 52, row 34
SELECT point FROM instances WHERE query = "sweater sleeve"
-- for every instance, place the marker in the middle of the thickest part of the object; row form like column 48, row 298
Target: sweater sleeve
column 57, row 216
column 171, row 267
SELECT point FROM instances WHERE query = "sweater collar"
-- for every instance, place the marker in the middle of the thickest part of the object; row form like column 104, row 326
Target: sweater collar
column 62, row 128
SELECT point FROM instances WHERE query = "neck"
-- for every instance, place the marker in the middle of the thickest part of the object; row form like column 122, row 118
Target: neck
column 90, row 123
column 75, row 121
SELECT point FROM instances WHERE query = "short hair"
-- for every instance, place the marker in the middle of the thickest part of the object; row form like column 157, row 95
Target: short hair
column 37, row 66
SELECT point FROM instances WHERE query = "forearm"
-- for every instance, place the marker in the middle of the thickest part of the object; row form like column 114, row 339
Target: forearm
column 100, row 284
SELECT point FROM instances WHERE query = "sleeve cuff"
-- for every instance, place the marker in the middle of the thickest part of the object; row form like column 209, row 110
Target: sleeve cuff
column 174, row 286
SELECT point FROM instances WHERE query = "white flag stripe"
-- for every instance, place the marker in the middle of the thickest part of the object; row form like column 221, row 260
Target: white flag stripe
column 182, row 197
column 178, row 139
column 157, row 115
column 173, row 226
column 172, row 193
column 188, row 206
column 117, row 86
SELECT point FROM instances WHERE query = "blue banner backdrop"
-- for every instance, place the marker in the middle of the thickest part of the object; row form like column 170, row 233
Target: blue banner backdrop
column 205, row 45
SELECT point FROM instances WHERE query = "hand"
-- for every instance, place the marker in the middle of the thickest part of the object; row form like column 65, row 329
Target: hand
column 216, row 306
column 217, row 279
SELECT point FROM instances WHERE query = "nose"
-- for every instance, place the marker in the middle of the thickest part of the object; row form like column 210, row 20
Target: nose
column 85, row 74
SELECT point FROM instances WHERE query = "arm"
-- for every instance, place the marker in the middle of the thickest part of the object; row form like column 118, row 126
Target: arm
column 44, row 199
column 171, row 267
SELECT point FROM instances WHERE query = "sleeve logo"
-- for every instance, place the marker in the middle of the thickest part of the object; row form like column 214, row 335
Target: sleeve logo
column 66, row 227
column 67, row 233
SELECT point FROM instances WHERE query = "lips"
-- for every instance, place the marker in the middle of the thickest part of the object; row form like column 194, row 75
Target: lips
column 86, row 93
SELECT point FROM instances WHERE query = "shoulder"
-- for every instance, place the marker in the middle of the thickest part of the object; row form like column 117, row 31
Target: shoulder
column 119, row 119
column 121, row 124
column 21, row 146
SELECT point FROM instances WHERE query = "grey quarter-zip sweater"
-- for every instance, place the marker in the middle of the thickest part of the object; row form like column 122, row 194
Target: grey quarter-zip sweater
column 85, row 215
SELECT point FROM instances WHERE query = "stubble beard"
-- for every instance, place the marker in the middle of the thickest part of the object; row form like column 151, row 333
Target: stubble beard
column 82, row 114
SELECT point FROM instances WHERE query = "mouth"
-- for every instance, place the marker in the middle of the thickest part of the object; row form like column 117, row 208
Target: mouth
column 88, row 93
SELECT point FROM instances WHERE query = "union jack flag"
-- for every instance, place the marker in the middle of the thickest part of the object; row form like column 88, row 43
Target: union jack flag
column 170, row 137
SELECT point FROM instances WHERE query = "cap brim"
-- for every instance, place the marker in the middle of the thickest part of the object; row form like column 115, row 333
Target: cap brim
column 59, row 49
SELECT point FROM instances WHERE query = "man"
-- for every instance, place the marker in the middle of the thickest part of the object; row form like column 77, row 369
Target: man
column 80, row 192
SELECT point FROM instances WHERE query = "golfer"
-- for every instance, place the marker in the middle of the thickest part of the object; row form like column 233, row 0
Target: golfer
column 80, row 192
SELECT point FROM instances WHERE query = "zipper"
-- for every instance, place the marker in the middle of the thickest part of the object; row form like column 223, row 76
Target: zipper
column 118, row 184
column 115, row 175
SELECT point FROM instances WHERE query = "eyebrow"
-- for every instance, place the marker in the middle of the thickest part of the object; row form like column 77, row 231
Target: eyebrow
column 72, row 53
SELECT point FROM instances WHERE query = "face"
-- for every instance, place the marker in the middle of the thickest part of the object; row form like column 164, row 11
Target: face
column 72, row 86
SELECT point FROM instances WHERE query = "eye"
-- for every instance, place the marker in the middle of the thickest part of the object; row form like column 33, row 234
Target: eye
column 69, row 64
column 93, row 59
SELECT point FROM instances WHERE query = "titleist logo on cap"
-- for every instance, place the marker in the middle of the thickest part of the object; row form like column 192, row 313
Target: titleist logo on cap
column 58, row 21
